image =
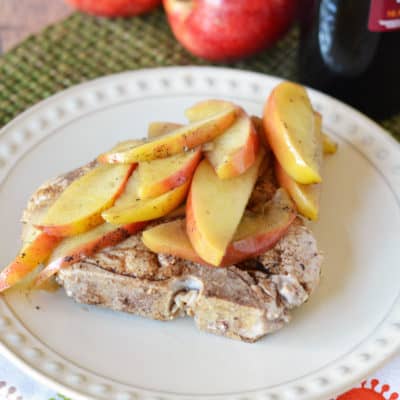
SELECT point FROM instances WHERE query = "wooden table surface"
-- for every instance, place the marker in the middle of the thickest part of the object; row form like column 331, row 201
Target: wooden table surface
column 19, row 18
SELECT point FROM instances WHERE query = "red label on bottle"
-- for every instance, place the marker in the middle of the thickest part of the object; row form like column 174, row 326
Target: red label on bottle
column 384, row 15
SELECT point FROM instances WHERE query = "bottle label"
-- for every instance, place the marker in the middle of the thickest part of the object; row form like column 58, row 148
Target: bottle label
column 384, row 15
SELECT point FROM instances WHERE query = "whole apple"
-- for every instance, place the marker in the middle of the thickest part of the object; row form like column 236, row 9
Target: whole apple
column 115, row 8
column 229, row 29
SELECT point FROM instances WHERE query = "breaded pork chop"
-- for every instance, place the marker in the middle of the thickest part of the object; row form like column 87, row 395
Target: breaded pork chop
column 244, row 301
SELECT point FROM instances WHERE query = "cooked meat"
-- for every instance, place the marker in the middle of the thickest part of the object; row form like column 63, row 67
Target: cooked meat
column 244, row 301
column 236, row 302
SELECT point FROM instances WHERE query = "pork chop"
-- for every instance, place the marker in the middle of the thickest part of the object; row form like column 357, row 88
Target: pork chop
column 244, row 301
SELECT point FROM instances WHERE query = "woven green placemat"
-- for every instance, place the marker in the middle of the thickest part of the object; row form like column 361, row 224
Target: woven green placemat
column 83, row 47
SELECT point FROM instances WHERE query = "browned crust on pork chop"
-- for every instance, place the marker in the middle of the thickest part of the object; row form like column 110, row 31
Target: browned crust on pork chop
column 244, row 301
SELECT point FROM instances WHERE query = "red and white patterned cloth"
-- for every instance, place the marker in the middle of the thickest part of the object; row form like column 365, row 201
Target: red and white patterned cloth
column 16, row 385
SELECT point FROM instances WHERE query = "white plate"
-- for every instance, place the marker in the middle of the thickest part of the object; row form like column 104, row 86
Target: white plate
column 350, row 326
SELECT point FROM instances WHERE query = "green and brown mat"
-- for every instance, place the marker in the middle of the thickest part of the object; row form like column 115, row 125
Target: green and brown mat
column 82, row 47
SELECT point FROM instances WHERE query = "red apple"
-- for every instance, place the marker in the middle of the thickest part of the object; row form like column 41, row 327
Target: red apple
column 229, row 29
column 115, row 8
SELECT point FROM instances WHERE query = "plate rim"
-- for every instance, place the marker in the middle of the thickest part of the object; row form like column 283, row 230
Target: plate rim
column 193, row 70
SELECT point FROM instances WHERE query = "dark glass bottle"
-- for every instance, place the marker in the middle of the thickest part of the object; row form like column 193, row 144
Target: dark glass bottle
column 351, row 50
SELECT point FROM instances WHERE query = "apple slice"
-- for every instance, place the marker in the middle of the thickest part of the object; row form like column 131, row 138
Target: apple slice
column 79, row 207
column 171, row 238
column 130, row 208
column 159, row 176
column 292, row 132
column 156, row 128
column 235, row 150
column 215, row 207
column 181, row 139
column 36, row 251
column 75, row 248
column 207, row 108
column 259, row 232
column 328, row 145
column 256, row 233
column 306, row 197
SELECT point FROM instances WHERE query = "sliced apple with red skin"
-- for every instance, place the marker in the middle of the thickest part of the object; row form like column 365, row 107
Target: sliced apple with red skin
column 259, row 232
column 75, row 248
column 291, row 130
column 130, row 208
column 79, row 207
column 35, row 252
column 171, row 238
column 156, row 128
column 235, row 150
column 306, row 197
column 215, row 207
column 159, row 176
column 256, row 233
column 181, row 139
